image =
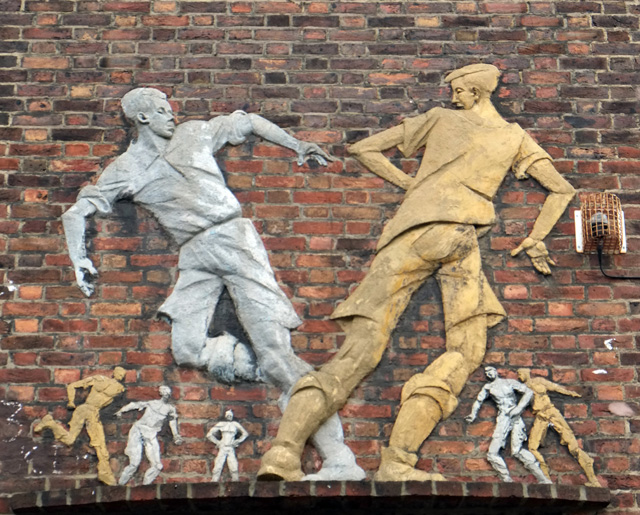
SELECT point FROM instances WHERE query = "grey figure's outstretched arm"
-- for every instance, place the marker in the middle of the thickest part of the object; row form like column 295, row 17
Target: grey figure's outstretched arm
column 271, row 132
column 73, row 221
column 131, row 406
column 476, row 405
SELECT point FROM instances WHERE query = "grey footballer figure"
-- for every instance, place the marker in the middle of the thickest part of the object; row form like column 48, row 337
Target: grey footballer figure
column 231, row 434
column 171, row 171
column 144, row 435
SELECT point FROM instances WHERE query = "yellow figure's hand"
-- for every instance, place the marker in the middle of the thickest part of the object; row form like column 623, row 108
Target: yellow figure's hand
column 538, row 253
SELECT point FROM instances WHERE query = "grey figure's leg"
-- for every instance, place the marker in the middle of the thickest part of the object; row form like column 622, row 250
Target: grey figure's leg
column 219, row 465
column 232, row 463
column 152, row 451
column 134, row 453
column 190, row 308
column 528, row 460
column 496, row 461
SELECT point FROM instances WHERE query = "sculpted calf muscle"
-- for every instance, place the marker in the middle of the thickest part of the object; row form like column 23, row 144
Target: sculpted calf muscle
column 171, row 171
column 447, row 206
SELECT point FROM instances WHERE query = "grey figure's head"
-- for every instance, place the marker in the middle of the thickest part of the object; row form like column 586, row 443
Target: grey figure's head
column 148, row 108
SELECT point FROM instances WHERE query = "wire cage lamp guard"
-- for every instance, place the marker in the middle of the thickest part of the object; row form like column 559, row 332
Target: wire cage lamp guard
column 600, row 225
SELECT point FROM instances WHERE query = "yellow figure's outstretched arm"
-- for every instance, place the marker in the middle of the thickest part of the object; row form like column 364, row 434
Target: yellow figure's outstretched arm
column 554, row 387
column 561, row 193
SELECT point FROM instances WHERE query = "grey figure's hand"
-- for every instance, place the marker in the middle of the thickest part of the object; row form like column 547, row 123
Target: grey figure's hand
column 470, row 418
column 177, row 440
column 308, row 151
column 514, row 412
column 84, row 267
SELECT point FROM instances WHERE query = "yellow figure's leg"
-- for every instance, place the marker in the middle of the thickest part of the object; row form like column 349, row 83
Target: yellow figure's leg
column 77, row 422
column 320, row 394
column 536, row 437
column 58, row 430
column 430, row 397
column 98, row 442
column 568, row 438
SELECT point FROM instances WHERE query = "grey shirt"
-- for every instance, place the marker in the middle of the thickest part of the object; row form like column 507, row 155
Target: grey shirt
column 182, row 187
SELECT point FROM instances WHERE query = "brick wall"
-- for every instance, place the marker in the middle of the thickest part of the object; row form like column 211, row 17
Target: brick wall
column 330, row 72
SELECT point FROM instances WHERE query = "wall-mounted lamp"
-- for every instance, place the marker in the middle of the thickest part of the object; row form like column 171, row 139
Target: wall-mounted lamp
column 600, row 228
column 600, row 225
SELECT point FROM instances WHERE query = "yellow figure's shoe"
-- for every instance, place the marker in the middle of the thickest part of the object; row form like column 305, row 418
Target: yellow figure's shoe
column 44, row 423
column 280, row 464
column 106, row 475
column 399, row 465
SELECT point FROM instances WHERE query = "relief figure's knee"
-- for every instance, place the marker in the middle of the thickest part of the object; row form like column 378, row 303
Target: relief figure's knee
column 187, row 344
column 331, row 388
column 494, row 458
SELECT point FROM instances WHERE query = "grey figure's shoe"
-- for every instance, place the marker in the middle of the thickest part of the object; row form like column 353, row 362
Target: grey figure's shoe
column 339, row 467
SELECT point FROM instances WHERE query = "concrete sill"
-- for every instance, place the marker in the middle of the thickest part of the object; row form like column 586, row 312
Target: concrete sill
column 315, row 498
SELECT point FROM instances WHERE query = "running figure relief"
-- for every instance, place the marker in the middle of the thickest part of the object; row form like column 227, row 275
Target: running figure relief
column 548, row 416
column 171, row 171
column 447, row 207
column 103, row 390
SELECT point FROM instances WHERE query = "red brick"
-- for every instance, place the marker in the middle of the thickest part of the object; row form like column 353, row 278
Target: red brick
column 24, row 375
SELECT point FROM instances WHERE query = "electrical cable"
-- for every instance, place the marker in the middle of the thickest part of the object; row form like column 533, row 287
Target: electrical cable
column 631, row 277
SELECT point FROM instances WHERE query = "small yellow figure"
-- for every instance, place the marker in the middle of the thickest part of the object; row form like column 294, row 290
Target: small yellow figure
column 103, row 391
column 548, row 415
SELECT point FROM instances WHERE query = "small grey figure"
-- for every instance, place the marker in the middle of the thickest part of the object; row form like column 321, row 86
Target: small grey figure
column 144, row 434
column 226, row 444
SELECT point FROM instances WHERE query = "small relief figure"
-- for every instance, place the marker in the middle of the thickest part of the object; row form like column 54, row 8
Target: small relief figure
column 503, row 393
column 547, row 415
column 231, row 434
column 447, row 207
column 144, row 434
column 103, row 391
column 170, row 170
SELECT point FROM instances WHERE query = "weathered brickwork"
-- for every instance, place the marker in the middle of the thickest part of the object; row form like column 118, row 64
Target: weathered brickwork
column 330, row 72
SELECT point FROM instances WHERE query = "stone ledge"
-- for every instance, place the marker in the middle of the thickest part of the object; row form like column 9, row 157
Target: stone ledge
column 353, row 497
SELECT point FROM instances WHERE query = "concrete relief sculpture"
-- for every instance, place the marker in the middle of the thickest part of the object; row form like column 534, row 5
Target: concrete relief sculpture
column 226, row 436
column 144, row 435
column 103, row 390
column 508, row 422
column 547, row 415
column 468, row 152
column 170, row 170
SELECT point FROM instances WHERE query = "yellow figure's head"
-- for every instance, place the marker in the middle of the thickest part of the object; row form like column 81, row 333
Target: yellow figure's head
column 524, row 375
column 119, row 373
column 472, row 83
